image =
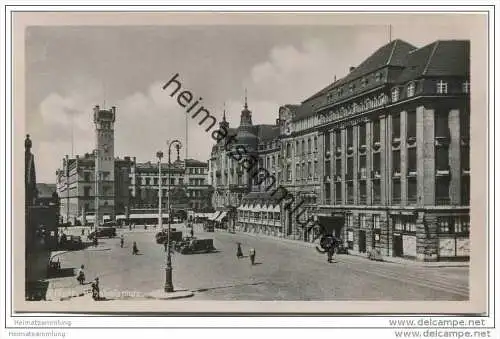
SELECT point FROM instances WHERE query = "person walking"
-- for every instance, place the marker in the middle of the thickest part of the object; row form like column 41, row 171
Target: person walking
column 192, row 232
column 95, row 289
column 121, row 241
column 252, row 256
column 239, row 252
column 80, row 275
column 135, row 250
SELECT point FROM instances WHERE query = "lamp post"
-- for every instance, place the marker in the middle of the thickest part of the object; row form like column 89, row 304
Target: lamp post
column 159, row 155
column 169, row 286
column 97, row 178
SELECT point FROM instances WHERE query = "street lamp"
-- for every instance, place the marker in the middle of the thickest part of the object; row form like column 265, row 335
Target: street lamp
column 169, row 286
column 159, row 155
column 97, row 178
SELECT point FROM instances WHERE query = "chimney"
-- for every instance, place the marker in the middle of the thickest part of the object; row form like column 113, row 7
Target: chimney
column 352, row 68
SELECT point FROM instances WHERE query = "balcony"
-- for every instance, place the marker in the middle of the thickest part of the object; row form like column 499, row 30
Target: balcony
column 466, row 171
column 338, row 178
column 350, row 149
column 362, row 149
column 377, row 145
column 338, row 151
column 442, row 172
column 396, row 141
column 327, row 178
column 411, row 141
column 441, row 141
column 362, row 175
column 327, row 153
column 376, row 174
column 412, row 173
column 396, row 173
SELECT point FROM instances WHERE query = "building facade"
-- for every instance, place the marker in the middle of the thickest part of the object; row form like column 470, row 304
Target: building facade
column 123, row 184
column 379, row 157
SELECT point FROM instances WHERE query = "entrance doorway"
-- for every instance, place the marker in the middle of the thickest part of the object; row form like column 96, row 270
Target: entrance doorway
column 362, row 241
column 397, row 245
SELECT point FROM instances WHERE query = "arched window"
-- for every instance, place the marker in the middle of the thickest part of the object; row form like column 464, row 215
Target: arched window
column 288, row 149
column 410, row 90
column 395, row 94
column 303, row 147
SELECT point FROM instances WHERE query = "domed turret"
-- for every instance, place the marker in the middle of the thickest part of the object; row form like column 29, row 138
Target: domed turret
column 245, row 134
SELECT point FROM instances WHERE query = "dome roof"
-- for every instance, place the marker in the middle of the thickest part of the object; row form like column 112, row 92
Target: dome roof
column 245, row 137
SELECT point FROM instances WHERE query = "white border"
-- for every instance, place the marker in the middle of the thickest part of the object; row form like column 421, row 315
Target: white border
column 191, row 322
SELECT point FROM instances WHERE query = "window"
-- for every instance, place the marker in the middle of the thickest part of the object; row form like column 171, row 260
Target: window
column 327, row 141
column 172, row 181
column 376, row 164
column 297, row 172
column 315, row 144
column 445, row 225
column 441, row 125
column 412, row 190
column 376, row 221
column 86, row 176
column 350, row 168
column 350, row 192
column 363, row 221
column 395, row 94
column 303, row 147
column 376, row 130
column 338, row 193
column 155, row 181
column 362, row 192
column 362, row 166
column 309, row 146
column 411, row 126
column 442, row 87
column 338, row 139
column 376, row 192
column 147, row 181
column 338, row 167
column 86, row 191
column 378, row 77
column 181, row 181
column 288, row 149
column 442, row 190
column 297, row 148
column 396, row 163
column 442, row 159
column 350, row 136
column 289, row 173
column 396, row 191
column 396, row 126
column 362, row 134
column 304, row 173
column 466, row 87
column 328, row 193
column 410, row 90
column 364, row 82
column 316, row 169
column 309, row 170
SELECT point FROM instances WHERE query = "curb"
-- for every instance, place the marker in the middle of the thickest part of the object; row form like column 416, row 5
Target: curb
column 162, row 295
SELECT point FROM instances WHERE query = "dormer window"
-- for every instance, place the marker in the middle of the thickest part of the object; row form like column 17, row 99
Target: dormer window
column 395, row 94
column 442, row 87
column 466, row 87
column 351, row 88
column 364, row 82
column 378, row 77
column 410, row 90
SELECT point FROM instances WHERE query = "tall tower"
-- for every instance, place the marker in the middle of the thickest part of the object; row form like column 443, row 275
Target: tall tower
column 105, row 161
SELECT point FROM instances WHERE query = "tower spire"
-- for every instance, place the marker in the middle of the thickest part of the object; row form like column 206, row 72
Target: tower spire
column 246, row 104
column 224, row 114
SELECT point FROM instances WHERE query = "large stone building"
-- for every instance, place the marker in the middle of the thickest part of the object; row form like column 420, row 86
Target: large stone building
column 124, row 184
column 380, row 157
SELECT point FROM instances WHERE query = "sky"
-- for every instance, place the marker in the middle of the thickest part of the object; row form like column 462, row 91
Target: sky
column 71, row 69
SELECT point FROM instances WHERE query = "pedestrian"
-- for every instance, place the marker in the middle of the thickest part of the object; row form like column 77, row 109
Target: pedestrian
column 135, row 250
column 130, row 227
column 95, row 289
column 121, row 241
column 192, row 232
column 252, row 256
column 239, row 252
column 80, row 275
column 83, row 231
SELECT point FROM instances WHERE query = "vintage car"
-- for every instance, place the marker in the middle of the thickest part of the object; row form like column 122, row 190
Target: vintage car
column 193, row 245
column 161, row 237
column 109, row 232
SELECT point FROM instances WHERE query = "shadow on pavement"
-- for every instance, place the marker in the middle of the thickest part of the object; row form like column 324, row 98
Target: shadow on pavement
column 62, row 273
column 36, row 290
column 226, row 286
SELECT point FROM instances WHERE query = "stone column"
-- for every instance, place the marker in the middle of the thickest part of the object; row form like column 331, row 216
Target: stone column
column 355, row 229
column 355, row 155
column 390, row 234
column 426, row 170
column 369, row 152
column 369, row 233
column 404, row 158
column 427, row 237
column 344, row 164
column 454, row 157
column 384, row 171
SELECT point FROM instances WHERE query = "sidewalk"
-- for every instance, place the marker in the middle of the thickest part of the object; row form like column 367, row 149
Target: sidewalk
column 395, row 260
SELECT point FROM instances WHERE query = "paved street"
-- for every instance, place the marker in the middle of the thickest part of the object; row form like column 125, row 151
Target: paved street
column 284, row 271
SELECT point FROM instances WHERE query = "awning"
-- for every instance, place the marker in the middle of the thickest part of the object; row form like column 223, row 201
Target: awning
column 276, row 209
column 214, row 215
column 147, row 216
column 221, row 216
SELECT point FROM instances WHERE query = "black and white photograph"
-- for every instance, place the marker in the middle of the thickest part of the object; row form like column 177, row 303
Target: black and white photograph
column 227, row 159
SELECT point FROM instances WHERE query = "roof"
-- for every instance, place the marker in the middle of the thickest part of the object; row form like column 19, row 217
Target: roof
column 439, row 59
column 45, row 190
column 267, row 132
column 391, row 54
column 195, row 163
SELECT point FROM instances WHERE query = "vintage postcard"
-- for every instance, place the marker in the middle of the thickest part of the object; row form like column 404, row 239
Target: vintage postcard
column 239, row 163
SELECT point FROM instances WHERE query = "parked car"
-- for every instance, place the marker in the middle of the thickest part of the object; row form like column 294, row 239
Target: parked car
column 72, row 242
column 109, row 232
column 191, row 246
column 161, row 237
